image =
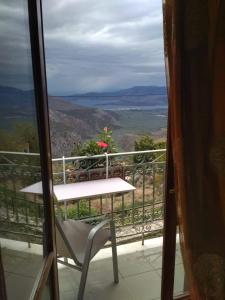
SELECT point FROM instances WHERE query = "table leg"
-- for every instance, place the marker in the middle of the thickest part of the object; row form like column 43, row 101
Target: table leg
column 65, row 210
column 65, row 217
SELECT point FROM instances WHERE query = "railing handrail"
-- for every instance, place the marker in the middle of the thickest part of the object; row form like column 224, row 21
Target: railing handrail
column 19, row 153
column 104, row 155
column 109, row 155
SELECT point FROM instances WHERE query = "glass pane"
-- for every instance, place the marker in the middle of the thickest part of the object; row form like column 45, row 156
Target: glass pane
column 46, row 292
column 180, row 281
column 21, row 217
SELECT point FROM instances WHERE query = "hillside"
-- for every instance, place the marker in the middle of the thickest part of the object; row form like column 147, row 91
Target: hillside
column 18, row 105
column 69, row 122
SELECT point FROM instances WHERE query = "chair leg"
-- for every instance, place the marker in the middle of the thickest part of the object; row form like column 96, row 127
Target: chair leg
column 83, row 280
column 114, row 252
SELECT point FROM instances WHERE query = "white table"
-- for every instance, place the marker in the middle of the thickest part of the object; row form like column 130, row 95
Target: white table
column 86, row 189
column 93, row 188
column 80, row 190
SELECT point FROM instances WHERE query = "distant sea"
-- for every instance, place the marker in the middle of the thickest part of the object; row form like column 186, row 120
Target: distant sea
column 120, row 108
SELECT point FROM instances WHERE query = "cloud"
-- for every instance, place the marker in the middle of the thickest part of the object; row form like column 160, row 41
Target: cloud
column 98, row 45
column 15, row 55
column 91, row 45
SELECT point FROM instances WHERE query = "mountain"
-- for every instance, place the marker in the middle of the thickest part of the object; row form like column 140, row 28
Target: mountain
column 142, row 96
column 72, row 123
column 19, row 101
column 133, row 91
column 129, row 113
column 69, row 122
column 143, row 90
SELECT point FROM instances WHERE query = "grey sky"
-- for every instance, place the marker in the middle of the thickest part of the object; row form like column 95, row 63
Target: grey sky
column 99, row 45
column 15, row 55
column 91, row 45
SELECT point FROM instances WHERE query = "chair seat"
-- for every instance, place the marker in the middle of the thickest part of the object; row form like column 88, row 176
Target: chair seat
column 76, row 234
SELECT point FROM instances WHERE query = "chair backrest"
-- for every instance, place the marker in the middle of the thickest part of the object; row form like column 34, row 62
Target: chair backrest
column 73, row 238
column 64, row 248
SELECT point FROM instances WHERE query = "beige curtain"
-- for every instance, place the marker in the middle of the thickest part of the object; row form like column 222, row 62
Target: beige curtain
column 195, row 58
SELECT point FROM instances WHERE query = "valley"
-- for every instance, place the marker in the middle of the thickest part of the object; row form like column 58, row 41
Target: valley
column 129, row 113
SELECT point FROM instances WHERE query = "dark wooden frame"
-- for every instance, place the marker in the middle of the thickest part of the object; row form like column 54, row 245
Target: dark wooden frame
column 3, row 295
column 49, row 268
column 48, row 272
column 169, row 232
column 170, row 213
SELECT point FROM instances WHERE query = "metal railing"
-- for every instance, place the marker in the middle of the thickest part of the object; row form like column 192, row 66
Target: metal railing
column 137, row 213
column 21, row 215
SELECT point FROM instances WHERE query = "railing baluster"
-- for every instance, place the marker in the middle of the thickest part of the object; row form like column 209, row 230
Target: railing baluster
column 64, row 169
column 153, row 192
column 112, row 206
column 133, row 201
column 26, row 208
column 65, row 210
column 123, row 212
column 15, row 200
column 36, row 209
column 6, row 201
column 143, row 204
column 89, row 207
column 78, row 209
column 143, row 195
column 101, row 205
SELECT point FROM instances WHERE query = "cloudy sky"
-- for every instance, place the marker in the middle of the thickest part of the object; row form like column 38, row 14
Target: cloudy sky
column 15, row 55
column 91, row 45
column 102, row 45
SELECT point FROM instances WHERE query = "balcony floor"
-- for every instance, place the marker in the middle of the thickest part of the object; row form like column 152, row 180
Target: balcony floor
column 139, row 274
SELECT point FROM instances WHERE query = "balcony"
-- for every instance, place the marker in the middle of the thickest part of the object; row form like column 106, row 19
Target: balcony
column 138, row 217
column 137, row 214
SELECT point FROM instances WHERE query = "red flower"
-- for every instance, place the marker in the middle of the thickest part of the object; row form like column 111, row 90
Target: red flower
column 102, row 144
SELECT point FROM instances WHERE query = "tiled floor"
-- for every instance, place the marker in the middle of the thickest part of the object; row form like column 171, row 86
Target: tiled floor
column 21, row 265
column 139, row 273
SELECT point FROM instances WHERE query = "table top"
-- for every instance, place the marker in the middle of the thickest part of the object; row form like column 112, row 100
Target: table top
column 85, row 189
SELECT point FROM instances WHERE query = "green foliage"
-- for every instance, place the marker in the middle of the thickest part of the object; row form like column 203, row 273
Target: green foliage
column 5, row 141
column 146, row 142
column 27, row 134
column 23, row 137
column 106, row 137
column 103, row 143
column 89, row 148
column 160, row 145
column 84, row 211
